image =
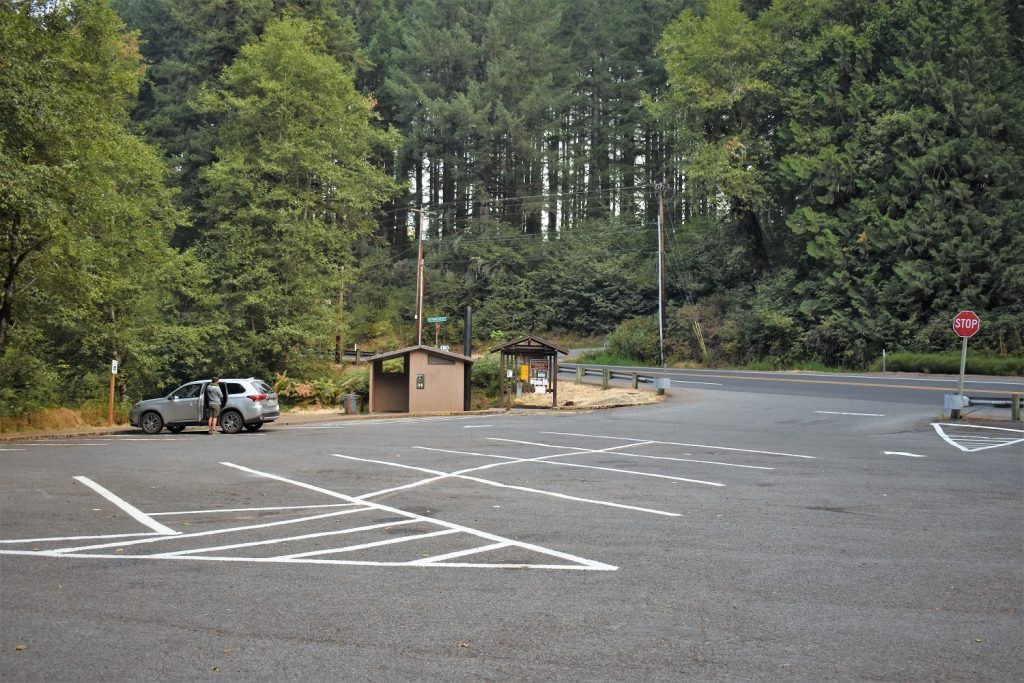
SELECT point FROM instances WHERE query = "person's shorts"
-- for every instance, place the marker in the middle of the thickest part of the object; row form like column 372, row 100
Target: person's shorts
column 214, row 410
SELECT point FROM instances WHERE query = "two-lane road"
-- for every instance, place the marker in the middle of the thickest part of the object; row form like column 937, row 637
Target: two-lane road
column 886, row 387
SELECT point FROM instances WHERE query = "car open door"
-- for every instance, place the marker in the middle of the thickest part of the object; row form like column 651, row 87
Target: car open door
column 186, row 404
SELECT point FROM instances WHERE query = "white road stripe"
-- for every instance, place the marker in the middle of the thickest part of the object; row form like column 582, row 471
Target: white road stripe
column 373, row 544
column 586, row 467
column 136, row 514
column 460, row 553
column 833, row 412
column 590, row 564
column 981, row 441
column 198, row 534
column 445, row 475
column 689, row 381
column 79, row 538
column 688, row 445
column 909, row 455
column 286, row 539
column 270, row 509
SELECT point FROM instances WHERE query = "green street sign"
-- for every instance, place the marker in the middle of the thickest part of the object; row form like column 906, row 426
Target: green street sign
column 438, row 319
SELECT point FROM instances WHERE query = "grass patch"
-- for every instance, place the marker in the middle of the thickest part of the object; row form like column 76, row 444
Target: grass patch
column 770, row 365
column 62, row 419
column 609, row 358
column 949, row 363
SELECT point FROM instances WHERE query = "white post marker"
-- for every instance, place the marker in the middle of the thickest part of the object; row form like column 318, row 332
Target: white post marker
column 966, row 324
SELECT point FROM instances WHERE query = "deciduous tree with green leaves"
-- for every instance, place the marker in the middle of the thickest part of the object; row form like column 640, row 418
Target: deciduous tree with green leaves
column 84, row 212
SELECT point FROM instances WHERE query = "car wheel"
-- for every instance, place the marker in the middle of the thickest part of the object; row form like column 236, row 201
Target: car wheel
column 231, row 422
column 175, row 429
column 151, row 423
column 252, row 427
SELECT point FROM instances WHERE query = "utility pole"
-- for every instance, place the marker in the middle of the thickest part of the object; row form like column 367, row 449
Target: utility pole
column 661, row 271
column 419, row 283
column 341, row 311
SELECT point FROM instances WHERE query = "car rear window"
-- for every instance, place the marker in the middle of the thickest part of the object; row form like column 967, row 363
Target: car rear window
column 234, row 388
column 263, row 387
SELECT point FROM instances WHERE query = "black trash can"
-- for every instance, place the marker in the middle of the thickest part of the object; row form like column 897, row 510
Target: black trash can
column 350, row 403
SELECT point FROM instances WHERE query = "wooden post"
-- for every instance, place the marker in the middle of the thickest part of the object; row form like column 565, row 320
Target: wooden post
column 605, row 375
column 1015, row 407
column 636, row 380
column 110, row 405
column 579, row 374
column 110, row 408
column 553, row 377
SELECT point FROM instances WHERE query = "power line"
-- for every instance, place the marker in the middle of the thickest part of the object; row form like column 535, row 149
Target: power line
column 502, row 201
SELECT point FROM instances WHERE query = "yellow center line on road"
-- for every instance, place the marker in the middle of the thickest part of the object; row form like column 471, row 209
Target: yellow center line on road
column 842, row 383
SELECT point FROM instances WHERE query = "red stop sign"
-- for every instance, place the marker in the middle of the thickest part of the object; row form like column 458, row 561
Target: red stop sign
column 966, row 323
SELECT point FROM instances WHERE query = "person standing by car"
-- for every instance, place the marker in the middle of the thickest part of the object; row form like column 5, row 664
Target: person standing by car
column 213, row 401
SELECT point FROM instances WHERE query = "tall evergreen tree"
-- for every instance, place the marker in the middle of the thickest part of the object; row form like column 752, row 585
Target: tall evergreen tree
column 906, row 146
column 290, row 191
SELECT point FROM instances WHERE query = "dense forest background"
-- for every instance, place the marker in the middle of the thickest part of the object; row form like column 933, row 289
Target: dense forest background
column 235, row 186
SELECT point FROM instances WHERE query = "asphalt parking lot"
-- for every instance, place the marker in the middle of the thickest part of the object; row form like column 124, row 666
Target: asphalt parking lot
column 712, row 537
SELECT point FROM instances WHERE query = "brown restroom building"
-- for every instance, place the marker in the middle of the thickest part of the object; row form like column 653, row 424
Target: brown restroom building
column 430, row 381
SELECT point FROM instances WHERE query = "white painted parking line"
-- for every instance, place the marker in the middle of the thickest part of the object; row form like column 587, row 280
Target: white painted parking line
column 198, row 534
column 961, row 436
column 459, row 553
column 62, row 539
column 580, row 451
column 373, row 544
column 834, row 412
column 489, row 482
column 547, row 460
column 287, row 539
column 693, row 460
column 269, row 509
column 688, row 445
column 909, row 455
column 135, row 513
column 580, row 561
column 310, row 544
column 385, row 422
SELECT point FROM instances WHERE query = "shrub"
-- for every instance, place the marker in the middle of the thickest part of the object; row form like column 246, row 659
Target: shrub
column 637, row 339
column 326, row 389
column 486, row 375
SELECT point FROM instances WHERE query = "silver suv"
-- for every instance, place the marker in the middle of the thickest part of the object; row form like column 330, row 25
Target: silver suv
column 247, row 403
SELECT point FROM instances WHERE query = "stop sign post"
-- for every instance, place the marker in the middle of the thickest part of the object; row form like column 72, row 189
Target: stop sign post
column 966, row 324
